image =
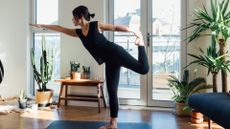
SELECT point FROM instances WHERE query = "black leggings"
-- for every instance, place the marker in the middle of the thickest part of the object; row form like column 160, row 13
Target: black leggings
column 121, row 58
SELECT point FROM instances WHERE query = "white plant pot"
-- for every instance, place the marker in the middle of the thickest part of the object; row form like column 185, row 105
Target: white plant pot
column 76, row 75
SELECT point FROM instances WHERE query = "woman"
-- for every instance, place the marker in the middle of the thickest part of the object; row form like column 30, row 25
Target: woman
column 104, row 51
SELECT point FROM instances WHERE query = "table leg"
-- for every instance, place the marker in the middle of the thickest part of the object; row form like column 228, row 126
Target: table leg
column 209, row 123
column 98, row 98
column 102, row 95
column 66, row 94
column 60, row 94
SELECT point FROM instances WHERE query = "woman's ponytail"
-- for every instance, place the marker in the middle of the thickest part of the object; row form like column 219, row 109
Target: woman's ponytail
column 92, row 15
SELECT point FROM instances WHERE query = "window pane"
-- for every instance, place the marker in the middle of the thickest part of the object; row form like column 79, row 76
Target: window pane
column 47, row 12
column 129, row 85
column 166, row 46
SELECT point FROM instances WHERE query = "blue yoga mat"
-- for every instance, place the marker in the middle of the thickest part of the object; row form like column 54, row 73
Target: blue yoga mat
column 61, row 124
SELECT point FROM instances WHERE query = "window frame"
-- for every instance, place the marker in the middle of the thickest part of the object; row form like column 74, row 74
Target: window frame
column 183, row 47
column 33, row 15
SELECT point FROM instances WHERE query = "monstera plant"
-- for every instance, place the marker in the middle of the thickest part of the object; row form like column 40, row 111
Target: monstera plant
column 1, row 71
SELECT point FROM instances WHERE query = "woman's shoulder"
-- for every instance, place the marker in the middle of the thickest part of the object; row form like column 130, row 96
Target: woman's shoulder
column 93, row 22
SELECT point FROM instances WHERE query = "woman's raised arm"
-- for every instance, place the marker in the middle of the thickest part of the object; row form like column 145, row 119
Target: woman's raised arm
column 58, row 28
column 121, row 28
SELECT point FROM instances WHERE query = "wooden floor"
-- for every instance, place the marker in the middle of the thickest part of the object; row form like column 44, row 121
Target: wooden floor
column 157, row 118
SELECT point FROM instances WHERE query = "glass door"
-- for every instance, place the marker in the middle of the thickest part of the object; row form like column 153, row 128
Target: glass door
column 164, row 39
column 160, row 25
column 128, row 13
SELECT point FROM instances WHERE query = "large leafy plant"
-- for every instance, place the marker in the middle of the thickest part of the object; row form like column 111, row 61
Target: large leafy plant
column 213, row 61
column 44, row 74
column 184, row 88
column 217, row 22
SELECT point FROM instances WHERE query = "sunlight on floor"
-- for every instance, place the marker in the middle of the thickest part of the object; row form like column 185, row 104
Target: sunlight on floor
column 44, row 114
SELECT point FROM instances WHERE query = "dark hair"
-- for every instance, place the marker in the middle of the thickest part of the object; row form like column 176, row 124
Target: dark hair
column 82, row 11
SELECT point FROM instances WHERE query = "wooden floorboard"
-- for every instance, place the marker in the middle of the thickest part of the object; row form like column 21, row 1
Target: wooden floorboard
column 159, row 119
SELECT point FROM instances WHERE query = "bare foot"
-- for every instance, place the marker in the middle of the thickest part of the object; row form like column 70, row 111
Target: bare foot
column 108, row 126
column 139, row 40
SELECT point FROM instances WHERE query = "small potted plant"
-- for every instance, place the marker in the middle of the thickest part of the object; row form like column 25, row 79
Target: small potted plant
column 43, row 75
column 22, row 101
column 86, row 72
column 74, row 73
column 184, row 88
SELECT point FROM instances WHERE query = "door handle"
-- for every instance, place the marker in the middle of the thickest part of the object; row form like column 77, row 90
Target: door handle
column 148, row 39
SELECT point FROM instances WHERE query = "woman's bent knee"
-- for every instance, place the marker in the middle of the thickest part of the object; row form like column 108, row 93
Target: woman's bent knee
column 144, row 70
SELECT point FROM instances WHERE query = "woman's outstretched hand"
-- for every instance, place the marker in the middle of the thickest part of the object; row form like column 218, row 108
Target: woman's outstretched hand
column 139, row 38
column 36, row 25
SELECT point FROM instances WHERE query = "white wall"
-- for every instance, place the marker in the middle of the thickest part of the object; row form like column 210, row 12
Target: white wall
column 13, row 45
column 72, row 48
column 201, row 42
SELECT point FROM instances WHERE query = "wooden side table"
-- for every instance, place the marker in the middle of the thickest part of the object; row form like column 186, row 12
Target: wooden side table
column 65, row 83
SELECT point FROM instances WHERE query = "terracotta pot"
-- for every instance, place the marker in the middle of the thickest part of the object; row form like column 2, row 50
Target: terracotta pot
column 196, row 117
column 180, row 109
column 85, row 75
column 75, row 75
column 44, row 98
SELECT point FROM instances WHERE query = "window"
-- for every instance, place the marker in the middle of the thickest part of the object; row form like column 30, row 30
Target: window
column 44, row 13
column 129, row 16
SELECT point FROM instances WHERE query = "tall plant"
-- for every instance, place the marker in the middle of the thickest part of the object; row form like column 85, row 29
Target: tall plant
column 213, row 61
column 184, row 88
column 43, row 75
column 218, row 22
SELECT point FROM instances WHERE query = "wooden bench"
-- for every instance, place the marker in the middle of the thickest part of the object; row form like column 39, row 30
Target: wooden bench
column 65, row 83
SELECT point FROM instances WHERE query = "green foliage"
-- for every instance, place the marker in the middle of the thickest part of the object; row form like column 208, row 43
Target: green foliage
column 217, row 21
column 46, row 66
column 86, row 69
column 22, row 96
column 182, row 89
column 211, row 59
column 74, row 66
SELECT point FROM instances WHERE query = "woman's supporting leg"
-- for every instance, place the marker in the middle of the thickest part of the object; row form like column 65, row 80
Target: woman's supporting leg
column 140, row 66
column 112, row 81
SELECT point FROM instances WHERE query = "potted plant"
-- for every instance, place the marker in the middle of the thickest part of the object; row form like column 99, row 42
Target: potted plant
column 75, row 74
column 184, row 88
column 22, row 100
column 86, row 72
column 213, row 61
column 216, row 23
column 43, row 75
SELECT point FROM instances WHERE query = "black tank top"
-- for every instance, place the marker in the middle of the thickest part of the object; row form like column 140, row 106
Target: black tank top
column 96, row 43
